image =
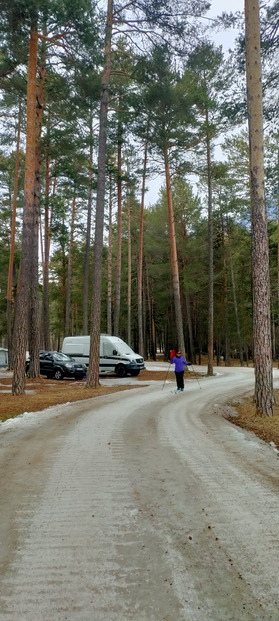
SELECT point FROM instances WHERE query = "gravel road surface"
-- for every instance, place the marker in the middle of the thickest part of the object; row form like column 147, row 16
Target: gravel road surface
column 142, row 506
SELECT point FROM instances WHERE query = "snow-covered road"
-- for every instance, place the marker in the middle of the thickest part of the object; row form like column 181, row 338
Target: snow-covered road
column 143, row 506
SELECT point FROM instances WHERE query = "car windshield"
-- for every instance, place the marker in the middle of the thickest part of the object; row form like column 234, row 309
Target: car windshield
column 65, row 357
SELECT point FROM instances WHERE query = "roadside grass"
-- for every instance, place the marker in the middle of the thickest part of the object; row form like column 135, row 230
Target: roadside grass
column 266, row 428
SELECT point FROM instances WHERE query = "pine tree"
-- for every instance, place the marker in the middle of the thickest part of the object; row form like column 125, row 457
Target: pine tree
column 260, row 252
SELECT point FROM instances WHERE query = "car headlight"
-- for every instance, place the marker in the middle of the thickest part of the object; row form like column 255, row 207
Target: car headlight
column 68, row 365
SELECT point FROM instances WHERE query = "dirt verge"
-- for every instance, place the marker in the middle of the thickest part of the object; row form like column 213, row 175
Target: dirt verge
column 266, row 428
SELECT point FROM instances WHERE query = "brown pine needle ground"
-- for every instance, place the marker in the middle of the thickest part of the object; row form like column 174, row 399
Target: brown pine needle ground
column 266, row 428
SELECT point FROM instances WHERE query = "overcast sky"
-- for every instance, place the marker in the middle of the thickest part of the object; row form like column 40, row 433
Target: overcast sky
column 226, row 39
column 219, row 6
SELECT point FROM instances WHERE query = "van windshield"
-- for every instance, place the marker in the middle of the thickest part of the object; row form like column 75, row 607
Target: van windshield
column 122, row 347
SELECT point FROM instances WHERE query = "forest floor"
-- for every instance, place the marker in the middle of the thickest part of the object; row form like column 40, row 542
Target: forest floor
column 42, row 393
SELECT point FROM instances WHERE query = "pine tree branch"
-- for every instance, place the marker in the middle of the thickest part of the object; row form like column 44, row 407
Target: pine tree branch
column 55, row 37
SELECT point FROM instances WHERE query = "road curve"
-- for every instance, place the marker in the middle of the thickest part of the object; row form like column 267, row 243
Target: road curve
column 144, row 506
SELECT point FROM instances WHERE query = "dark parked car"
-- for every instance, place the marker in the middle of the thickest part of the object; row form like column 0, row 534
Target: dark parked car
column 57, row 365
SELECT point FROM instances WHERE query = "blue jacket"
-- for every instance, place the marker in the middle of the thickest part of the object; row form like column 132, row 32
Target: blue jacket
column 179, row 363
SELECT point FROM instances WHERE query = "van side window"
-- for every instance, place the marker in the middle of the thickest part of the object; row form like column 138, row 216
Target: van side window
column 108, row 348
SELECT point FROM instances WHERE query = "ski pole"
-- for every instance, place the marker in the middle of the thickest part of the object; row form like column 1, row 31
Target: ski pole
column 195, row 376
column 166, row 377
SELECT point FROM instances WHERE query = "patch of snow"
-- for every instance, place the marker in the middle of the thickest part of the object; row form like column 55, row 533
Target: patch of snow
column 32, row 417
column 151, row 368
column 244, row 438
column 274, row 447
column 9, row 390
column 134, row 512
column 21, row 418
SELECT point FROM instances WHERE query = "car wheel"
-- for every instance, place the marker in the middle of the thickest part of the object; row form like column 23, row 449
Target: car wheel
column 135, row 373
column 58, row 375
column 28, row 372
column 120, row 370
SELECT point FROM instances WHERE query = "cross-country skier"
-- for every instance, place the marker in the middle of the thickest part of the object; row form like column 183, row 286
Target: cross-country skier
column 179, row 363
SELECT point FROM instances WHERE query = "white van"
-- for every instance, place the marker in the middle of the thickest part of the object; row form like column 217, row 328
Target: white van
column 115, row 355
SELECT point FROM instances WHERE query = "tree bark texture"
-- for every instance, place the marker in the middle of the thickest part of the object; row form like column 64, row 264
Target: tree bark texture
column 210, row 254
column 70, row 271
column 149, row 317
column 140, row 266
column 174, row 262
column 260, row 251
column 10, row 301
column 226, row 301
column 240, row 346
column 93, row 368
column 88, row 231
column 278, row 242
column 34, row 324
column 191, row 353
column 24, row 289
column 129, row 294
column 45, row 302
column 226, row 323
column 109, row 293
column 119, row 233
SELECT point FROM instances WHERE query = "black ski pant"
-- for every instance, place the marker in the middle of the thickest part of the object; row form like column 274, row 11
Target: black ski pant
column 179, row 379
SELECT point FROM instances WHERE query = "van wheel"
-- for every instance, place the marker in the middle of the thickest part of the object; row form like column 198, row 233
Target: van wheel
column 120, row 371
column 58, row 375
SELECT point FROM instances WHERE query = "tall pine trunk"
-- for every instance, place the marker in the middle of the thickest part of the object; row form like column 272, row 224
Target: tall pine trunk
column 10, row 301
column 151, row 323
column 226, row 300
column 191, row 353
column 174, row 262
column 240, row 346
column 47, row 242
column 109, row 292
column 45, row 301
column 210, row 252
column 260, row 251
column 88, row 230
column 278, row 242
column 119, row 232
column 93, row 367
column 63, row 281
column 140, row 266
column 24, row 289
column 226, row 321
column 34, row 324
column 70, row 271
column 129, row 295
